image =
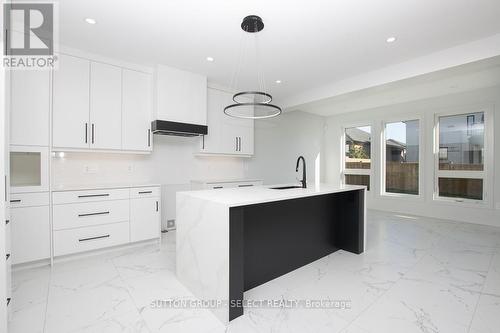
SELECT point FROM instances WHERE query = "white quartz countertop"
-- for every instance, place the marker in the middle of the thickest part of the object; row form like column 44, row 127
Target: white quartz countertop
column 260, row 194
column 80, row 187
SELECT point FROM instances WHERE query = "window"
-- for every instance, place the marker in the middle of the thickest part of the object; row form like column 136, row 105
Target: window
column 460, row 161
column 402, row 157
column 357, row 160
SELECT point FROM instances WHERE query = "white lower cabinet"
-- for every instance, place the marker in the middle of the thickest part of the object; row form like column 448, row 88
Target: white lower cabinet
column 90, row 238
column 30, row 229
column 92, row 219
column 220, row 184
column 8, row 262
column 144, row 218
column 89, row 214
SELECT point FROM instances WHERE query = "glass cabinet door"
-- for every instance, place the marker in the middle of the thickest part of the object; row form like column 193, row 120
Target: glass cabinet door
column 28, row 169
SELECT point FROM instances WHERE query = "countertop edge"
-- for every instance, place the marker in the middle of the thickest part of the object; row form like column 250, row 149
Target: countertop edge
column 196, row 194
column 101, row 187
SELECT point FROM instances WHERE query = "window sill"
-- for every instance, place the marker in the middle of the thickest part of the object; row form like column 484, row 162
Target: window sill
column 467, row 203
column 389, row 195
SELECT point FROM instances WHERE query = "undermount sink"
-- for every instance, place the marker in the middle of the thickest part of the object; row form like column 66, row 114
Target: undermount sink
column 284, row 187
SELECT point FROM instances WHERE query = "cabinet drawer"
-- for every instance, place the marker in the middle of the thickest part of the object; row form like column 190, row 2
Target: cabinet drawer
column 29, row 199
column 215, row 186
column 90, row 238
column 90, row 213
column 144, row 192
column 244, row 184
column 89, row 196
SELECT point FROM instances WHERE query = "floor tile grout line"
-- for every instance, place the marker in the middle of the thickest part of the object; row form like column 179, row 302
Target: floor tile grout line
column 130, row 295
column 440, row 239
column 385, row 292
column 481, row 292
column 47, row 300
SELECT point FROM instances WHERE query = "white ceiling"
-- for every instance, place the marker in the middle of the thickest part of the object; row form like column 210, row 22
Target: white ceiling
column 306, row 44
column 468, row 77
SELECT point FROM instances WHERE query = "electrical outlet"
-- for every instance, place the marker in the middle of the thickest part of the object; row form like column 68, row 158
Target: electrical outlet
column 91, row 168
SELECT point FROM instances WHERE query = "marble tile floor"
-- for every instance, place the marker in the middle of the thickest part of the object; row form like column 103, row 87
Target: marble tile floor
column 417, row 275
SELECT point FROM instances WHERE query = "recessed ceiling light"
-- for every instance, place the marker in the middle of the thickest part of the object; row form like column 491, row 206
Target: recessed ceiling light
column 278, row 81
column 90, row 20
column 210, row 59
column 391, row 39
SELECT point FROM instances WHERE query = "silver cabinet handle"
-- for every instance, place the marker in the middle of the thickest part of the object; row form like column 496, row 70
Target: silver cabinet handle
column 145, row 192
column 93, row 133
column 92, row 214
column 236, row 143
column 156, row 205
column 15, row 201
column 86, row 132
column 92, row 238
column 93, row 195
column 240, row 142
column 149, row 138
column 245, row 185
column 217, row 187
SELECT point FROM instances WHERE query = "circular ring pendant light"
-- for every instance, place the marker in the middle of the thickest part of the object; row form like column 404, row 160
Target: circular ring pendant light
column 253, row 104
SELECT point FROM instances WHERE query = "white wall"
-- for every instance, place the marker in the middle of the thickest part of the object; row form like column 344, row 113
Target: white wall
column 426, row 109
column 278, row 143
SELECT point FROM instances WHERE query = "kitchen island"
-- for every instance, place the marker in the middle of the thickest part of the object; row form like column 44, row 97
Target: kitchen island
column 232, row 240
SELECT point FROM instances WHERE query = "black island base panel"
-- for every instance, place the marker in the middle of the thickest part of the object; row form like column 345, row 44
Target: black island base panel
column 271, row 239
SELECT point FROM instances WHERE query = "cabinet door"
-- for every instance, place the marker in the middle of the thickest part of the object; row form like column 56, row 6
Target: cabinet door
column 71, row 103
column 144, row 219
column 246, row 136
column 30, row 234
column 242, row 129
column 105, row 106
column 238, row 135
column 212, row 142
column 226, row 135
column 136, row 111
column 29, row 108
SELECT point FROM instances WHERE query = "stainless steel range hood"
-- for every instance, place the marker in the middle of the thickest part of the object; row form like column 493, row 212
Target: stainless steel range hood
column 164, row 127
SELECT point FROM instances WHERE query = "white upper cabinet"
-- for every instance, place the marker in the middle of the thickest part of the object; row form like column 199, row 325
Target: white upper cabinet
column 136, row 111
column 105, row 106
column 70, row 119
column 215, row 142
column 100, row 106
column 246, row 136
column 226, row 135
column 30, row 108
column 180, row 96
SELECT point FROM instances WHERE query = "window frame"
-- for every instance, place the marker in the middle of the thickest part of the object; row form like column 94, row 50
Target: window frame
column 421, row 158
column 485, row 174
column 343, row 170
